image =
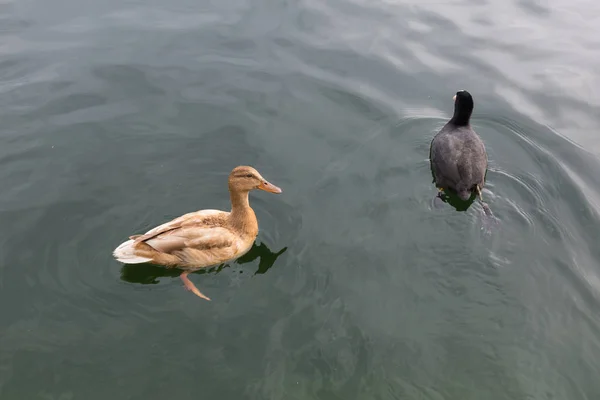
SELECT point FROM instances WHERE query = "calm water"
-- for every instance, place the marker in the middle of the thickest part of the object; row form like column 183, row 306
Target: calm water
column 119, row 115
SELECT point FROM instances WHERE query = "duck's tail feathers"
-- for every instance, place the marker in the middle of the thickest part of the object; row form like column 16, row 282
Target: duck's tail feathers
column 125, row 253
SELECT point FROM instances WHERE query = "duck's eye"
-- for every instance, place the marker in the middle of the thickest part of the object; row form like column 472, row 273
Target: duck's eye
column 249, row 176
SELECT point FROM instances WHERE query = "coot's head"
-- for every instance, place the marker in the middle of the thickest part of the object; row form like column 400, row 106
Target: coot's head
column 463, row 108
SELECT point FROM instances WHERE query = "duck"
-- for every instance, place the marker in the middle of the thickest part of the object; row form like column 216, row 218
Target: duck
column 202, row 238
column 457, row 154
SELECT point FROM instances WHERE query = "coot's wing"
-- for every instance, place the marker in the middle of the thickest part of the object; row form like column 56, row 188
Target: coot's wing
column 482, row 165
column 444, row 153
column 473, row 160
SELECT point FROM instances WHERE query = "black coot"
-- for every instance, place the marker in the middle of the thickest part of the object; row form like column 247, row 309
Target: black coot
column 457, row 154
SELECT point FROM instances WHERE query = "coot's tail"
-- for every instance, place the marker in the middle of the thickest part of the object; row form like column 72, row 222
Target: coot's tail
column 464, row 194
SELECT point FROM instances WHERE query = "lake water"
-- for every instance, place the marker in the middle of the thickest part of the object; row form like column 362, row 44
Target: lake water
column 117, row 116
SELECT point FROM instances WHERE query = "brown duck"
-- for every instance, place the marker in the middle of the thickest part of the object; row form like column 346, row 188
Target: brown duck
column 203, row 238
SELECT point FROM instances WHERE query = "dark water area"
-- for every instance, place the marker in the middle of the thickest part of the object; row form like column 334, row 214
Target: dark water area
column 117, row 116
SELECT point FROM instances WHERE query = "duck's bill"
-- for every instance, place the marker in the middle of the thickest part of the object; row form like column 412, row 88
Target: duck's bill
column 454, row 98
column 269, row 187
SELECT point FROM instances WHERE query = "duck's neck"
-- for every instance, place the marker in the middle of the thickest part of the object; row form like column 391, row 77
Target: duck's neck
column 242, row 216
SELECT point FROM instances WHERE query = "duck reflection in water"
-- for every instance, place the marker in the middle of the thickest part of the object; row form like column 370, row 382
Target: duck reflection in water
column 149, row 274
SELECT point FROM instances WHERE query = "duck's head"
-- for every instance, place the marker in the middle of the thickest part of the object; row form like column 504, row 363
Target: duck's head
column 245, row 179
column 463, row 107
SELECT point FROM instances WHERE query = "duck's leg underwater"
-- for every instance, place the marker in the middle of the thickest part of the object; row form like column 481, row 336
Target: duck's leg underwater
column 191, row 287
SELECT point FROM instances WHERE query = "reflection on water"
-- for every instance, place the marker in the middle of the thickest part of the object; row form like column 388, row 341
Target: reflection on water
column 148, row 274
column 267, row 257
column 453, row 200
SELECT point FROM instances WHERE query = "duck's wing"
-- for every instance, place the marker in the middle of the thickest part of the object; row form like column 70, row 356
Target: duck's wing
column 193, row 237
column 203, row 216
column 201, row 230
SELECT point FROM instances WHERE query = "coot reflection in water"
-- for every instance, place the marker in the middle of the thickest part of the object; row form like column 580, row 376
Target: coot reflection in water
column 149, row 274
column 454, row 200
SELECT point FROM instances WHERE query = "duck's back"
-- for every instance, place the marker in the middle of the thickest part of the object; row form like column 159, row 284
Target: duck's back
column 458, row 158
